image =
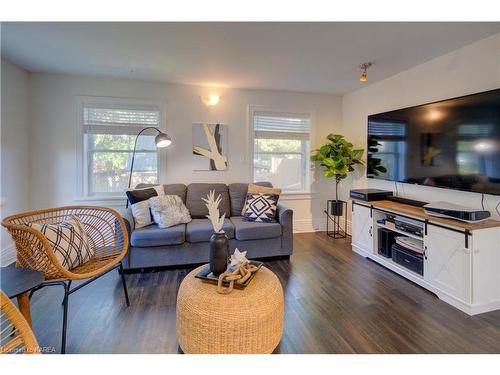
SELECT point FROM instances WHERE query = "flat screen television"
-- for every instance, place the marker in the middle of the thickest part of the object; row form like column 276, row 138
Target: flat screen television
column 453, row 144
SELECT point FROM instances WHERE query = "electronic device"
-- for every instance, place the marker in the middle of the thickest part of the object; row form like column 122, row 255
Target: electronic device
column 452, row 144
column 454, row 211
column 369, row 194
column 408, row 259
column 411, row 202
column 410, row 243
column 408, row 225
column 385, row 241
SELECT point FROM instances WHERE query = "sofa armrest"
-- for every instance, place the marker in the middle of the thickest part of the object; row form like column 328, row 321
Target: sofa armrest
column 285, row 218
column 126, row 214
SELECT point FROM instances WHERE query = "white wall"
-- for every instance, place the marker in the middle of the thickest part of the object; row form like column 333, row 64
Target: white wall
column 15, row 149
column 54, row 139
column 468, row 70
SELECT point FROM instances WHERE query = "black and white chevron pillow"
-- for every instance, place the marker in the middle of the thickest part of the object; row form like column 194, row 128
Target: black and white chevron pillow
column 261, row 208
column 69, row 241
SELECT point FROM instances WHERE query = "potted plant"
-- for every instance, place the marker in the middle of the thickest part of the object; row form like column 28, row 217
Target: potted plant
column 338, row 158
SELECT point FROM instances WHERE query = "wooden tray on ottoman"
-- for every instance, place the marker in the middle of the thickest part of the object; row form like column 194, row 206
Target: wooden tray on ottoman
column 207, row 276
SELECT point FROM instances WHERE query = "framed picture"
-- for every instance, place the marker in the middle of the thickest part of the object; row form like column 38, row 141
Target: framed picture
column 209, row 147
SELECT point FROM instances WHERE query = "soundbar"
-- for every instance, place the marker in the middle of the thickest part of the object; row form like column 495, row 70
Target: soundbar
column 411, row 202
column 454, row 211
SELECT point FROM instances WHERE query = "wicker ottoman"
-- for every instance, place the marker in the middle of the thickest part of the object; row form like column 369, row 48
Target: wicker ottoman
column 248, row 321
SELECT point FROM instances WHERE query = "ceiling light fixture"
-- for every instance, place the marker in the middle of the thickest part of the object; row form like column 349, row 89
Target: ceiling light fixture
column 363, row 77
column 210, row 100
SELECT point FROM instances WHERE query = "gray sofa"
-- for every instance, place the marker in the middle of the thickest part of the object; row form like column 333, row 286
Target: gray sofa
column 187, row 244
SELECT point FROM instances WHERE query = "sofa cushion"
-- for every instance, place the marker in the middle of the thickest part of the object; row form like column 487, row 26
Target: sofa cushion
column 154, row 236
column 238, row 194
column 247, row 230
column 195, row 204
column 200, row 230
column 170, row 189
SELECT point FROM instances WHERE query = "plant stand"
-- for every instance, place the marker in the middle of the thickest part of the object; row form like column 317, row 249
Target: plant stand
column 337, row 231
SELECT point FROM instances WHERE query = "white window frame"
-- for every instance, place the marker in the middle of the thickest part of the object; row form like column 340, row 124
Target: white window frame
column 82, row 160
column 252, row 109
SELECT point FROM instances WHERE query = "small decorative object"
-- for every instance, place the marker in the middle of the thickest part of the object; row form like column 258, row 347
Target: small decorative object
column 238, row 258
column 209, row 147
column 338, row 158
column 239, row 276
column 219, row 243
column 207, row 276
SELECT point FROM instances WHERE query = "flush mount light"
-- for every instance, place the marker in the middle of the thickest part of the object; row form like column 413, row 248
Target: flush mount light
column 363, row 77
column 210, row 100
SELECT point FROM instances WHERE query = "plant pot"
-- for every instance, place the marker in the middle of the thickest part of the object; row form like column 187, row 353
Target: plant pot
column 219, row 253
column 336, row 208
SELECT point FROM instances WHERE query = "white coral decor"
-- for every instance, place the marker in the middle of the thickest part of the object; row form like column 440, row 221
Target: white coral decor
column 213, row 211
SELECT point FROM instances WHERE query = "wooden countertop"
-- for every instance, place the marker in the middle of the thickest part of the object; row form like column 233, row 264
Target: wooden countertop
column 419, row 213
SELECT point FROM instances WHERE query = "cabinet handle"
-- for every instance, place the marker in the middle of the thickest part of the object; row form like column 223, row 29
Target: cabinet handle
column 370, row 231
column 425, row 252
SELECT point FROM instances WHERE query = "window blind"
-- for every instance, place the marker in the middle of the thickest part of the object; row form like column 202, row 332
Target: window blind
column 119, row 120
column 281, row 126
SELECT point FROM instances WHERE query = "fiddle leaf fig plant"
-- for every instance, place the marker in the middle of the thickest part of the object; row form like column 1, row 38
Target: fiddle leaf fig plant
column 337, row 157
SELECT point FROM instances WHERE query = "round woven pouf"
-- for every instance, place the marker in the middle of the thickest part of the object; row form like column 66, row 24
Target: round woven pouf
column 248, row 321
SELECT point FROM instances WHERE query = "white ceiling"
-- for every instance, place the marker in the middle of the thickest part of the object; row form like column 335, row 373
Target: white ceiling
column 309, row 57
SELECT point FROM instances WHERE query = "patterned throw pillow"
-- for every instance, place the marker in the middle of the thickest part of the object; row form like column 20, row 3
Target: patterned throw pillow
column 256, row 189
column 169, row 210
column 69, row 241
column 261, row 207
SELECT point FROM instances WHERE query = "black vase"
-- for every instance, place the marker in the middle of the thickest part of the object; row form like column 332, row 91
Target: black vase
column 337, row 208
column 219, row 253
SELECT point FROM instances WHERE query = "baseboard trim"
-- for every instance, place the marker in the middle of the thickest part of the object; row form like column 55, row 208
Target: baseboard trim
column 303, row 225
column 8, row 255
column 308, row 225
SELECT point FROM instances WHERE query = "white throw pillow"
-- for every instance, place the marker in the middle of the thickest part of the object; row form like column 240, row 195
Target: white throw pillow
column 69, row 241
column 141, row 214
column 169, row 210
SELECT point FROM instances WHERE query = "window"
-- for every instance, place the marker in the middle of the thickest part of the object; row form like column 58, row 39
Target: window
column 281, row 149
column 109, row 135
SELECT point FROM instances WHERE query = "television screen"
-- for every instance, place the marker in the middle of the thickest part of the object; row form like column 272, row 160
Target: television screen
column 452, row 144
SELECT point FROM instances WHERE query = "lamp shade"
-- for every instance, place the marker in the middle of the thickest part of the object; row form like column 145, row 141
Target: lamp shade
column 162, row 140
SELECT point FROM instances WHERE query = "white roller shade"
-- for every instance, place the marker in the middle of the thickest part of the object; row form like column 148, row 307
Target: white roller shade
column 98, row 120
column 277, row 126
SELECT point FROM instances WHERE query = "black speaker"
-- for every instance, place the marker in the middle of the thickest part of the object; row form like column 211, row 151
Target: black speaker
column 385, row 241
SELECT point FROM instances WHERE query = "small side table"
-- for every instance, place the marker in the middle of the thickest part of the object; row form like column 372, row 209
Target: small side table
column 18, row 282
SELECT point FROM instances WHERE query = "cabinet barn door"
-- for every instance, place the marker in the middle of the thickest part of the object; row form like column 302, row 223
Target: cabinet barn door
column 447, row 264
column 362, row 228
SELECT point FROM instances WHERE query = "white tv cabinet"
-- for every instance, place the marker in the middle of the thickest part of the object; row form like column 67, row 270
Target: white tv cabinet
column 461, row 260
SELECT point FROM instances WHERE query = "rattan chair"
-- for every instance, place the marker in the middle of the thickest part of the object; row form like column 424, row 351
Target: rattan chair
column 16, row 335
column 106, row 233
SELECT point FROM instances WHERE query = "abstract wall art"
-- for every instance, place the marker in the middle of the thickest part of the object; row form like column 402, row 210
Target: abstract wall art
column 209, row 147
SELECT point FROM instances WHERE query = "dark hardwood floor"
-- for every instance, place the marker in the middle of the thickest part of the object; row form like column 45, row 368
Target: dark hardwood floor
column 336, row 302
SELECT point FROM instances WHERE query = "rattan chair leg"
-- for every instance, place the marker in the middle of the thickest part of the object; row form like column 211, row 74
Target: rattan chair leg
column 65, row 317
column 122, row 274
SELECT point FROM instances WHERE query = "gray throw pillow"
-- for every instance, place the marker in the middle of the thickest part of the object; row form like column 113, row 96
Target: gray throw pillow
column 169, row 210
